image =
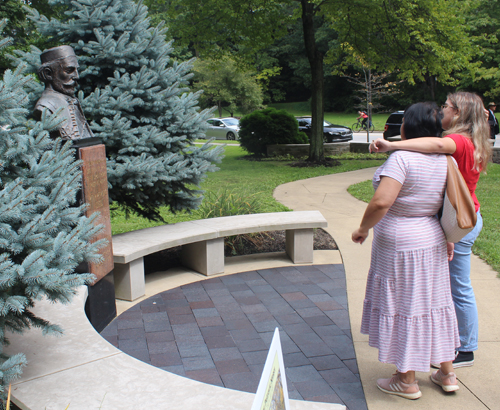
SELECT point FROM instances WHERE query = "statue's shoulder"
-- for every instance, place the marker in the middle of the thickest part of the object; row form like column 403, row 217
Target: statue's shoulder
column 51, row 100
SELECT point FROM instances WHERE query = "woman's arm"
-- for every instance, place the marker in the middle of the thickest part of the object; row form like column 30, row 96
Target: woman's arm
column 427, row 145
column 385, row 195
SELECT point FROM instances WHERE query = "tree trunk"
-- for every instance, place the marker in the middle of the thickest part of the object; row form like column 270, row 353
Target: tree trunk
column 316, row 152
column 430, row 81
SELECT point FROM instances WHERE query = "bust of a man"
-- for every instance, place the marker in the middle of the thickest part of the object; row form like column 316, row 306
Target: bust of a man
column 59, row 72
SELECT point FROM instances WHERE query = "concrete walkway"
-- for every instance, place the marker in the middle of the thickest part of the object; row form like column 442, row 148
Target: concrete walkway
column 478, row 384
column 93, row 372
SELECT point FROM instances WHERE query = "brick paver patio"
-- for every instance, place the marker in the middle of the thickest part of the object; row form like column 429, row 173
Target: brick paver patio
column 218, row 331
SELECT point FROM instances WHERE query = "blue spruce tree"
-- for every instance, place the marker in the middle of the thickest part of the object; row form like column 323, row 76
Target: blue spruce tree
column 43, row 233
column 137, row 103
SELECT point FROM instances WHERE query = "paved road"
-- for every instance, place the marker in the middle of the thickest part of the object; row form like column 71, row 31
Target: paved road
column 362, row 137
column 357, row 137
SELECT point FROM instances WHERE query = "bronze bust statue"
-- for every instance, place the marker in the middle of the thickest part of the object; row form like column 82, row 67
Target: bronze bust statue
column 59, row 72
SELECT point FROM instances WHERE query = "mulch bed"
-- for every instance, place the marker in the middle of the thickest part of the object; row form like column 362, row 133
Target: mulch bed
column 327, row 162
column 304, row 163
column 247, row 244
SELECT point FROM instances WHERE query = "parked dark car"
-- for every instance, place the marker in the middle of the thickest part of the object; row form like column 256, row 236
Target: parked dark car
column 393, row 125
column 331, row 132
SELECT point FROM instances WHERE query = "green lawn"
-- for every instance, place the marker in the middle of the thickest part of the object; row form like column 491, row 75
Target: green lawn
column 340, row 118
column 250, row 181
column 487, row 245
column 488, row 193
column 251, row 184
column 346, row 119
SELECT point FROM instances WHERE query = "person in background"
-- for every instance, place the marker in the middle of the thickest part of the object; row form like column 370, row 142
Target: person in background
column 363, row 115
column 492, row 120
column 466, row 138
column 408, row 310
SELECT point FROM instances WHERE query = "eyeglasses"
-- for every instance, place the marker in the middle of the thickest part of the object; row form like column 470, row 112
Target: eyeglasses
column 447, row 106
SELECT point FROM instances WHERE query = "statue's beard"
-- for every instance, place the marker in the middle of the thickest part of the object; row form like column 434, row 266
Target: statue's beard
column 67, row 88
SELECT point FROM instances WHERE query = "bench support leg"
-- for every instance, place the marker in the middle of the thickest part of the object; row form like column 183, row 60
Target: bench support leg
column 130, row 283
column 206, row 257
column 299, row 245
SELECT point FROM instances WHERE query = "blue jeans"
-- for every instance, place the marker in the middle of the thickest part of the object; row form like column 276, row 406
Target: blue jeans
column 462, row 292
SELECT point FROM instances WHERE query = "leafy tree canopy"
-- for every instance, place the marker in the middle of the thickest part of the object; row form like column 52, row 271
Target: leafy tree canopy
column 419, row 38
column 483, row 23
column 416, row 38
column 243, row 26
column 226, row 86
column 21, row 29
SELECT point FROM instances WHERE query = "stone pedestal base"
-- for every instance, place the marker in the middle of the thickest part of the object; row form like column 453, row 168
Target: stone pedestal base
column 100, row 306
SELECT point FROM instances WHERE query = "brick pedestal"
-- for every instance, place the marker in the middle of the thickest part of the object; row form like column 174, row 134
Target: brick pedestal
column 100, row 306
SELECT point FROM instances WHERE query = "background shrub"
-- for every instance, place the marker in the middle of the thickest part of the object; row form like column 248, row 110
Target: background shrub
column 267, row 127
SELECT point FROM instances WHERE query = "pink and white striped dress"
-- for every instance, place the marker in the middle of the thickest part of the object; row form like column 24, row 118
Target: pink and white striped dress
column 408, row 311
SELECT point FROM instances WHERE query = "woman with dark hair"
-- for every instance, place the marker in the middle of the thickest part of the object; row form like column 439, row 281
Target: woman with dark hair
column 422, row 119
column 408, row 311
column 466, row 138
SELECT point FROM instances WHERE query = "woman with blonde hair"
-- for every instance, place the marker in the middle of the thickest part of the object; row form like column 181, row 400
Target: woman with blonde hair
column 466, row 138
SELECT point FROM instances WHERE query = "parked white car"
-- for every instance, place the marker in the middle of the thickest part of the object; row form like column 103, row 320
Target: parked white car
column 223, row 128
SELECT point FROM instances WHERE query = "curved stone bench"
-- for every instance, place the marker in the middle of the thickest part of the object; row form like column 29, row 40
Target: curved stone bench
column 203, row 244
column 83, row 371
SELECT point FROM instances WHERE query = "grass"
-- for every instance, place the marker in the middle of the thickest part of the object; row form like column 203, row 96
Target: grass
column 255, row 181
column 362, row 191
column 340, row 118
column 202, row 141
column 246, row 179
column 347, row 119
column 488, row 193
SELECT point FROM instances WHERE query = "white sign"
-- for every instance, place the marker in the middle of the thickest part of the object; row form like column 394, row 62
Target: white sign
column 272, row 393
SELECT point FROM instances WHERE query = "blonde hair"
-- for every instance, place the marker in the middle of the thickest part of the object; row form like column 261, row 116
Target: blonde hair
column 472, row 123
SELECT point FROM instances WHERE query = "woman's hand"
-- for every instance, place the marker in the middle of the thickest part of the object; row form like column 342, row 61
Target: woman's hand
column 385, row 195
column 380, row 145
column 450, row 247
column 359, row 235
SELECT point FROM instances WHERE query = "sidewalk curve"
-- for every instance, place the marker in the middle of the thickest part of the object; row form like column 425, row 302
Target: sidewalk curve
column 478, row 384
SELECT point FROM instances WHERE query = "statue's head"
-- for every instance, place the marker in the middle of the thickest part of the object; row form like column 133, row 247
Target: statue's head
column 59, row 69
